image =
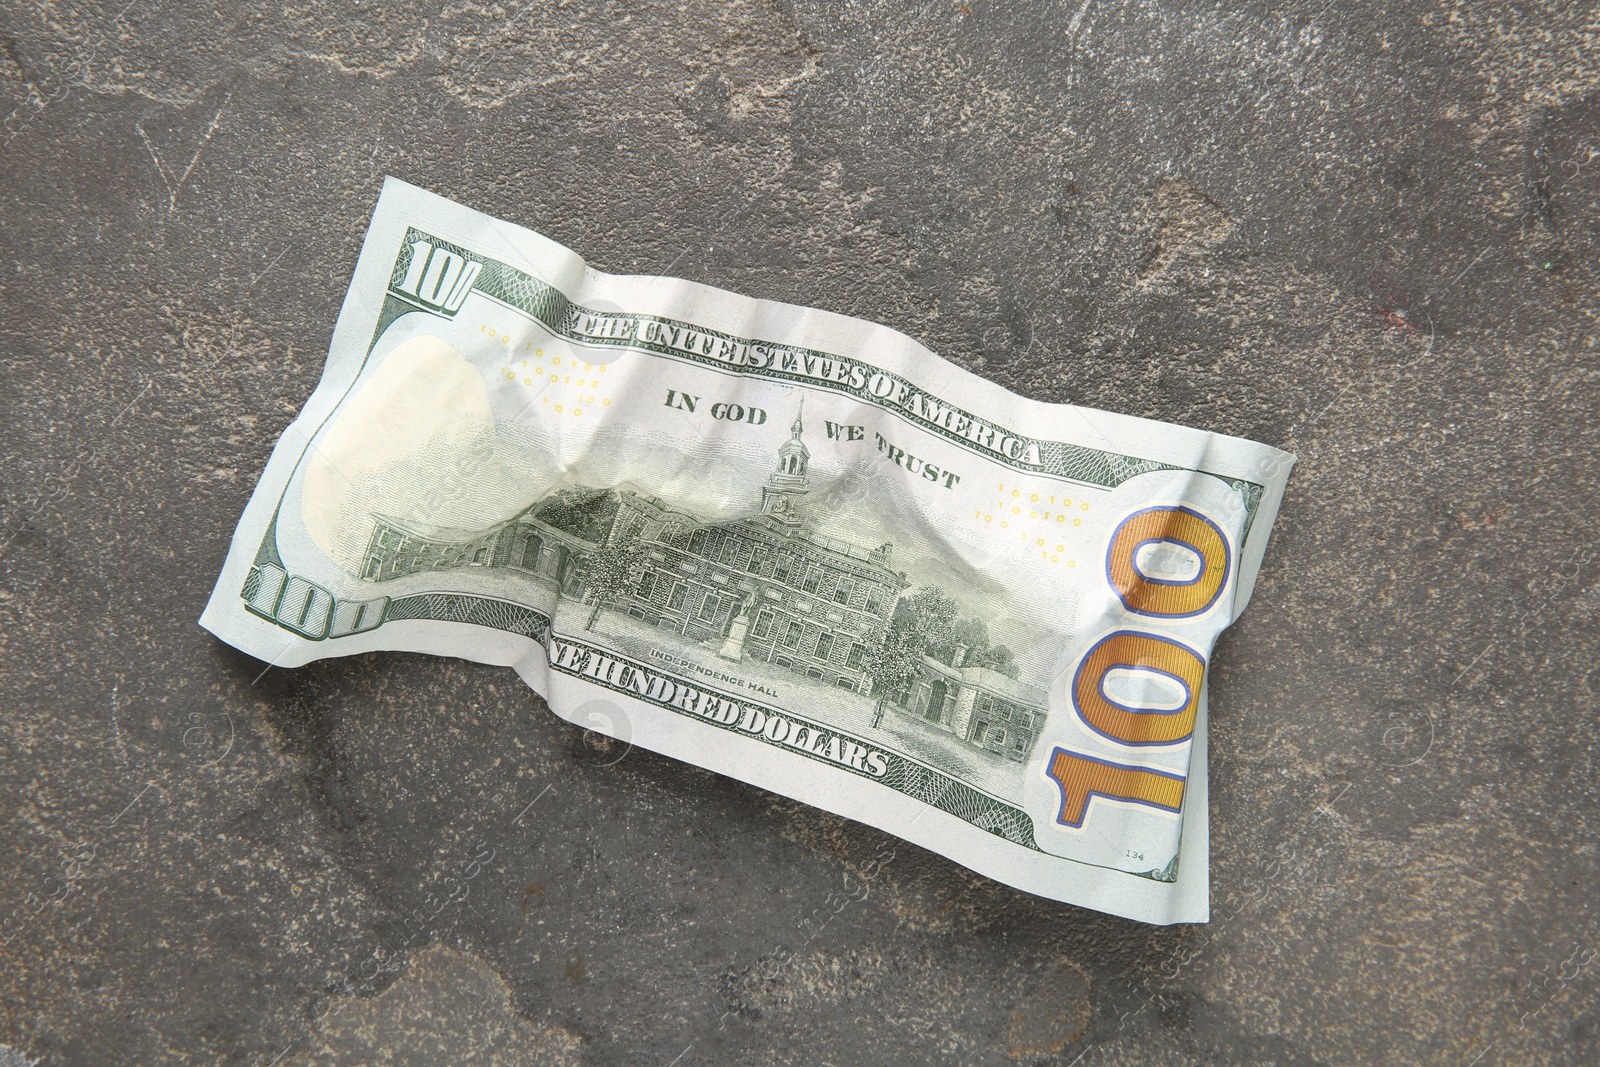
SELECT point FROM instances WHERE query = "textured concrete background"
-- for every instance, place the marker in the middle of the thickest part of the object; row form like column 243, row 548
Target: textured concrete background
column 1368, row 234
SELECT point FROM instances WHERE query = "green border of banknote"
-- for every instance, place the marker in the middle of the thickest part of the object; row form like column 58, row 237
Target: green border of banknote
column 303, row 608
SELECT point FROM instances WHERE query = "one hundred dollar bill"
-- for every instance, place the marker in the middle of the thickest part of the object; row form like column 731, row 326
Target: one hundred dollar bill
column 786, row 545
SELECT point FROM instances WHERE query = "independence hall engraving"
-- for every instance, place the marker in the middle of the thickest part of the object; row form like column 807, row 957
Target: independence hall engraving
column 764, row 587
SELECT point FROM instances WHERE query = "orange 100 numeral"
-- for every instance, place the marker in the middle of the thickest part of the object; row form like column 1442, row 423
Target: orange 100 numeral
column 1147, row 589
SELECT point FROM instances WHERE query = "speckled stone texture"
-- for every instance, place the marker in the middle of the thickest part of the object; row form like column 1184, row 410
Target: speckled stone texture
column 1368, row 234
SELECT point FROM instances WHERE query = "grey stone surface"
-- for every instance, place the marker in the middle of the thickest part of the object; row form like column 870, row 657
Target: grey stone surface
column 1365, row 233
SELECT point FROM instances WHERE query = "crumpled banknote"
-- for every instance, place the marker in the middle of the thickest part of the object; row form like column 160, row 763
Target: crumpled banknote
column 786, row 545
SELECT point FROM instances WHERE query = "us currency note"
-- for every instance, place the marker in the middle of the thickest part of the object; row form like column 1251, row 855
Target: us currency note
column 786, row 545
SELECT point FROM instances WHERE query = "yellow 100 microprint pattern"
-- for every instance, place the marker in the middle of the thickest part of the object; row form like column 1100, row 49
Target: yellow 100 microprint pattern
column 561, row 383
column 1041, row 519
